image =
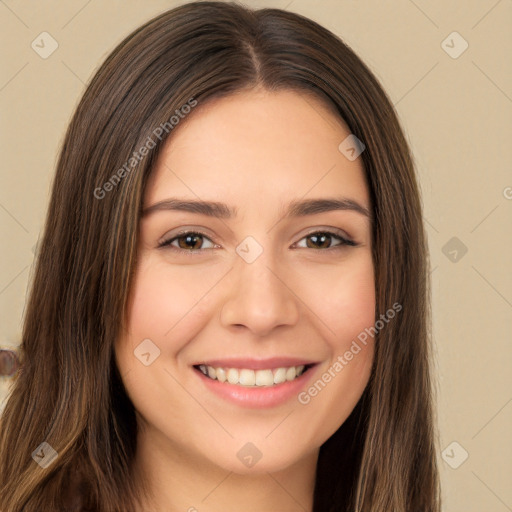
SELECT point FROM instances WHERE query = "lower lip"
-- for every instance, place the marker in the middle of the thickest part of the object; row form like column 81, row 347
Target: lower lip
column 259, row 397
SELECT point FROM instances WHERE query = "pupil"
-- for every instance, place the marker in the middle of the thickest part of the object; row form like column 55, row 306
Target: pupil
column 188, row 240
column 322, row 236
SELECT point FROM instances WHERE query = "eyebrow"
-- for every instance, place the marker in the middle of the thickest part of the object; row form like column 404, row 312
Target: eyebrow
column 218, row 210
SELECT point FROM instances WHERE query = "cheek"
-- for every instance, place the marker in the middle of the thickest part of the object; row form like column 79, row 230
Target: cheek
column 343, row 298
column 164, row 302
column 172, row 306
column 165, row 307
column 345, row 306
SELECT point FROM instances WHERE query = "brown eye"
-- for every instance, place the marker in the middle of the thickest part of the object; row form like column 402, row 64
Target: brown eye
column 319, row 240
column 324, row 239
column 189, row 241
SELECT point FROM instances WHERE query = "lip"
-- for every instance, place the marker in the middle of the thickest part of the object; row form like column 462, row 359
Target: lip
column 256, row 364
column 256, row 397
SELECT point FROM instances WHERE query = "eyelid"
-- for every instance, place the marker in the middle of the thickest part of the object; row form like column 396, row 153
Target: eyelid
column 167, row 240
column 345, row 239
column 332, row 230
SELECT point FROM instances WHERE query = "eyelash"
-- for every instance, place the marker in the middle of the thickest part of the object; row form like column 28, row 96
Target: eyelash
column 197, row 252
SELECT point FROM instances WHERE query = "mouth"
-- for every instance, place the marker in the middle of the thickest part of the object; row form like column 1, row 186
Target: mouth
column 255, row 383
column 254, row 378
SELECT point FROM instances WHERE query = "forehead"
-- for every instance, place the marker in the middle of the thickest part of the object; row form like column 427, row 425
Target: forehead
column 254, row 147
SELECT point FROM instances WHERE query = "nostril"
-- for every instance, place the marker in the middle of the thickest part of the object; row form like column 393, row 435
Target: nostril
column 9, row 363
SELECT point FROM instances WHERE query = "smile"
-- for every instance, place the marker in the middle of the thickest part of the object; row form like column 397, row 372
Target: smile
column 253, row 378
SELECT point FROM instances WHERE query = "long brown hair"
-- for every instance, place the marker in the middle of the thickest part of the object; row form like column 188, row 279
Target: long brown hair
column 69, row 393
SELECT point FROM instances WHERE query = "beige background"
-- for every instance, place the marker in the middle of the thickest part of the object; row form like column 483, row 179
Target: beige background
column 457, row 116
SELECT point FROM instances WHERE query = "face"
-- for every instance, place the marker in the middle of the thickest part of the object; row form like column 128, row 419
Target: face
column 267, row 299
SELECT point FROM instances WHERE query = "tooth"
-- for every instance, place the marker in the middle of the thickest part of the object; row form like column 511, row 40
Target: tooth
column 264, row 378
column 221, row 374
column 280, row 376
column 232, row 376
column 291, row 373
column 247, row 378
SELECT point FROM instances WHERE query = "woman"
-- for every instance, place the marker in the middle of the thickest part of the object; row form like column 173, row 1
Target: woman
column 230, row 303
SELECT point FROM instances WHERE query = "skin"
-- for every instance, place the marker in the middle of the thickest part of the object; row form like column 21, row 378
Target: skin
column 255, row 151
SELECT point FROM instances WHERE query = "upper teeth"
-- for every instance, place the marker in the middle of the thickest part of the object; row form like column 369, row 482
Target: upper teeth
column 246, row 377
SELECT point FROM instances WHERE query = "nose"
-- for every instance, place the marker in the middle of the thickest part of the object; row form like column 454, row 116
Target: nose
column 259, row 297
